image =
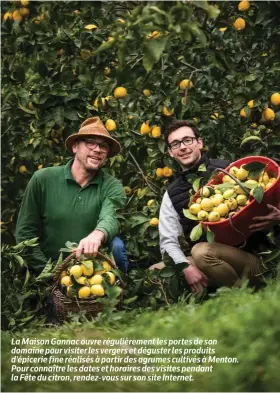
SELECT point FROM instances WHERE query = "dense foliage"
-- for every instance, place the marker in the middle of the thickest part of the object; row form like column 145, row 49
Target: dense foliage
column 58, row 57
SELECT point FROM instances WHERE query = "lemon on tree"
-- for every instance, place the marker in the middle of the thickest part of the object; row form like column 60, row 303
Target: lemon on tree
column 150, row 202
column 76, row 271
column 154, row 222
column 242, row 113
column 166, row 111
column 250, row 104
column 110, row 125
column 120, row 92
column 156, row 132
column 239, row 24
column 186, row 83
column 97, row 290
column 159, row 172
column 146, row 92
column 244, row 5
column 145, row 128
column 269, row 114
column 275, row 99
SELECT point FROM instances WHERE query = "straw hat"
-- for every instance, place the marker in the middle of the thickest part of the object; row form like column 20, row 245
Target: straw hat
column 92, row 127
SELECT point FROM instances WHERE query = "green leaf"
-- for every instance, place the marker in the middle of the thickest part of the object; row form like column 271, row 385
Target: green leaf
column 105, row 45
column 27, row 276
column 209, row 235
column 250, row 139
column 258, row 193
column 173, row 287
column 254, row 168
column 273, row 255
column 196, row 233
column 167, row 271
column 196, row 184
column 153, row 50
column 202, row 168
column 189, row 215
column 19, row 259
column 161, row 146
column 212, row 11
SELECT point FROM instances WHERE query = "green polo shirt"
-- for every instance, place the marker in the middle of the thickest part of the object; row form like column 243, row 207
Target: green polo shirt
column 57, row 209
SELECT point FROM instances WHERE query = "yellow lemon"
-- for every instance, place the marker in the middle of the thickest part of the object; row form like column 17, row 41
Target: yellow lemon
column 166, row 111
column 150, row 202
column 214, row 217
column 110, row 125
column 206, row 204
column 202, row 215
column 239, row 24
column 96, row 279
column 130, row 117
column 242, row 174
column 233, row 170
column 186, row 83
column 22, row 169
column 84, row 292
column 217, row 191
column 97, row 290
column 250, row 104
column 269, row 114
column 111, row 39
column 146, row 92
column 241, row 200
column 90, row 27
column 239, row 190
column 167, row 172
column 195, row 208
column 154, row 222
column 98, row 101
column 120, row 92
column 223, row 29
column 66, row 280
column 145, row 128
column 232, row 204
column 275, row 99
column 228, row 193
column 217, row 199
column 107, row 71
column 112, row 278
column 81, row 280
column 24, row 11
column 244, row 5
column 159, row 172
column 7, row 15
column 17, row 17
column 227, row 179
column 106, row 266
column 222, row 209
column 242, row 113
column 198, row 200
column 156, row 132
column 24, row 2
column 254, row 125
column 76, row 271
column 264, row 178
column 87, row 271
column 205, row 192
column 251, row 182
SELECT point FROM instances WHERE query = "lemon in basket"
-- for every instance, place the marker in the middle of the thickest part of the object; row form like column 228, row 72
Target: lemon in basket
column 87, row 268
column 66, row 280
column 96, row 279
column 112, row 278
column 76, row 271
column 84, row 292
column 97, row 290
column 81, row 280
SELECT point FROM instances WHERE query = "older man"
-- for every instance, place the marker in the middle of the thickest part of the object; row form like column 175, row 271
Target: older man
column 76, row 202
column 218, row 264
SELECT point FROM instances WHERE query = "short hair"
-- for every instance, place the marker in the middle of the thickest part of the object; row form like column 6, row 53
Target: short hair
column 175, row 124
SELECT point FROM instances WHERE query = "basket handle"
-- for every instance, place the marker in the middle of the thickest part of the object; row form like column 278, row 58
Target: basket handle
column 71, row 256
column 234, row 178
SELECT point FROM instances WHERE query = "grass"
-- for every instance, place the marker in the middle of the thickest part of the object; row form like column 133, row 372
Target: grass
column 246, row 326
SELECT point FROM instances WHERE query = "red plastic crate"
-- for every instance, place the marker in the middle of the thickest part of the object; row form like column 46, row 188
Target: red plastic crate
column 223, row 231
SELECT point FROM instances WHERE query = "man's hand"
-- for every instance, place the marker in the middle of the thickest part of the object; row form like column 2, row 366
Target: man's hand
column 89, row 245
column 266, row 222
column 195, row 278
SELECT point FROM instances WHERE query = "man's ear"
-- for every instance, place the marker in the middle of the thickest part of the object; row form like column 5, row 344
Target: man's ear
column 74, row 147
column 200, row 143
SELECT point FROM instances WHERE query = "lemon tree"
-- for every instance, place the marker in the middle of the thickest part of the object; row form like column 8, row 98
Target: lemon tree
column 136, row 65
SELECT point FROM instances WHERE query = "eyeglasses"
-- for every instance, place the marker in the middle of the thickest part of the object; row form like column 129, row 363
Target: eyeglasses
column 91, row 144
column 188, row 140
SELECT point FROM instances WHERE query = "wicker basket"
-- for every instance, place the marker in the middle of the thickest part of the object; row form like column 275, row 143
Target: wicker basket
column 63, row 304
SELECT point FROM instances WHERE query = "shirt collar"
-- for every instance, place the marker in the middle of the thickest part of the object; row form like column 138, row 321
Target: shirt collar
column 68, row 174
